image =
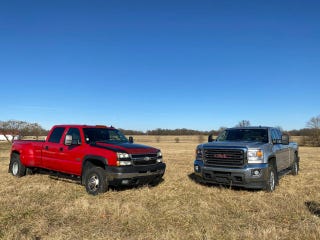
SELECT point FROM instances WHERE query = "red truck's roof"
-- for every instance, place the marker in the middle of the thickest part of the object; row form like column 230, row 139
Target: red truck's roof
column 82, row 126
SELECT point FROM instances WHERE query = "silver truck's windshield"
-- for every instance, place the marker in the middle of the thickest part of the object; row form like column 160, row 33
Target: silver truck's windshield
column 93, row 135
column 251, row 135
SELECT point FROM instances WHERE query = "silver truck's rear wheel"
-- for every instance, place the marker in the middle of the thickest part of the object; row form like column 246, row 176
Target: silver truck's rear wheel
column 16, row 167
column 96, row 181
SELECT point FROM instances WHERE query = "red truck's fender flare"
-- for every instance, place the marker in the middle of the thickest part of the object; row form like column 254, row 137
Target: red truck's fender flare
column 91, row 161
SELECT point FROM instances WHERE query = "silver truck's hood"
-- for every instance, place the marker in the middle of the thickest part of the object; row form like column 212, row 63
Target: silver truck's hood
column 233, row 144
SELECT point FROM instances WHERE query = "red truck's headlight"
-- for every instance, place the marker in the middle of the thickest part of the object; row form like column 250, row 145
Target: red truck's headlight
column 124, row 159
column 159, row 157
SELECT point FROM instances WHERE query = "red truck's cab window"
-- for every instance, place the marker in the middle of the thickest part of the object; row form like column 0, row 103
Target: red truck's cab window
column 75, row 133
column 56, row 135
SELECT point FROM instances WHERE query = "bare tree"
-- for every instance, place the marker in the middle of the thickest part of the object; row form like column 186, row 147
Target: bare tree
column 20, row 128
column 243, row 123
column 314, row 124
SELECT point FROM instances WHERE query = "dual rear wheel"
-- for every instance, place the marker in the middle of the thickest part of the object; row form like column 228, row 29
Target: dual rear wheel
column 16, row 167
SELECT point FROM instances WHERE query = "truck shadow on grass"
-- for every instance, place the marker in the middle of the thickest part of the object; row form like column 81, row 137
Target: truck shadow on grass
column 313, row 207
column 197, row 180
column 58, row 176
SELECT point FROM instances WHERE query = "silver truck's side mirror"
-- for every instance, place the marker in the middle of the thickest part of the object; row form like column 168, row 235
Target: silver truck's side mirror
column 285, row 139
column 68, row 140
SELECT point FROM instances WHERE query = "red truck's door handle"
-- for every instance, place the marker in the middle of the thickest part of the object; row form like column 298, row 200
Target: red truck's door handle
column 61, row 149
column 46, row 147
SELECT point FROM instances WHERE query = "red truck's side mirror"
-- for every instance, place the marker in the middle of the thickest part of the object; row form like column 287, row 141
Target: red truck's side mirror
column 68, row 140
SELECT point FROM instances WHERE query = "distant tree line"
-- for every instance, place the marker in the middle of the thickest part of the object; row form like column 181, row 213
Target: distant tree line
column 178, row 132
column 22, row 128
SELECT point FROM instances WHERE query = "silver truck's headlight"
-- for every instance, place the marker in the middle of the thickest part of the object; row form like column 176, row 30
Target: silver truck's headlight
column 255, row 156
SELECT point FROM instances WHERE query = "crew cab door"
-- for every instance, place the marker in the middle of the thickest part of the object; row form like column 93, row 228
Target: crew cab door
column 60, row 157
column 71, row 155
column 281, row 151
column 52, row 148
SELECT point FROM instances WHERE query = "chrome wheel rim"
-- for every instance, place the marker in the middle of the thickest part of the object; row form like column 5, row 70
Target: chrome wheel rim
column 271, row 181
column 296, row 167
column 15, row 168
column 93, row 183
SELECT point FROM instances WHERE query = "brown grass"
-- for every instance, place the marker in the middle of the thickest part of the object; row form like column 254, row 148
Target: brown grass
column 40, row 207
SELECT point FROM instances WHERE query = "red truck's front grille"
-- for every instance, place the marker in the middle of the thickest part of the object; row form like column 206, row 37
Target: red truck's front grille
column 144, row 159
column 224, row 157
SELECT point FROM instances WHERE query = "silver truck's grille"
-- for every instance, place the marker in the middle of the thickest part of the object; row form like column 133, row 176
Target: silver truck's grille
column 224, row 157
column 144, row 159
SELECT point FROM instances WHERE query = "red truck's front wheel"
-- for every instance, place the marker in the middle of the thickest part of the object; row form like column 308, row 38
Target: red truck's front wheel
column 96, row 181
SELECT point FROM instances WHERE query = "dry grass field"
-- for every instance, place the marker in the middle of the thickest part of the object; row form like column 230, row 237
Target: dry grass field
column 43, row 207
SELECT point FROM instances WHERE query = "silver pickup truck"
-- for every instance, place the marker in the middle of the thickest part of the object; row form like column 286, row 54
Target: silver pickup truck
column 250, row 157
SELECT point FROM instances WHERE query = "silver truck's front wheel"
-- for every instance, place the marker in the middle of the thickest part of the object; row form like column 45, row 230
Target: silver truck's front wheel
column 271, row 181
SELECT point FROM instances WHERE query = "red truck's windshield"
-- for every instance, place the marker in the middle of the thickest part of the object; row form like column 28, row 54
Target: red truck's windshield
column 93, row 135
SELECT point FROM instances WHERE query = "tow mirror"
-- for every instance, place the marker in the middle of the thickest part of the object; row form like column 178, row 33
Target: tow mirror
column 210, row 138
column 285, row 139
column 131, row 139
column 68, row 140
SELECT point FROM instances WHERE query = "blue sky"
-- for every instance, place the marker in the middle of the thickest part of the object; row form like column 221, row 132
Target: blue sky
column 144, row 65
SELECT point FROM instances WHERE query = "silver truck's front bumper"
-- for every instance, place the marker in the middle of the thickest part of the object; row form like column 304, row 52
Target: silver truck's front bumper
column 250, row 176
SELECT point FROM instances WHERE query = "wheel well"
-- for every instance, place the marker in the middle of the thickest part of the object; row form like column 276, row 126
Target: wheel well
column 89, row 163
column 15, row 152
column 272, row 161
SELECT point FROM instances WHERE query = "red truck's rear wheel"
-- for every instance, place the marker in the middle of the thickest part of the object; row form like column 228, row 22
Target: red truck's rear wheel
column 96, row 181
column 16, row 167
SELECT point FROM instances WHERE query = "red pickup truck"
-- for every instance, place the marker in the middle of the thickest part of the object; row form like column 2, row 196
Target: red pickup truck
column 99, row 155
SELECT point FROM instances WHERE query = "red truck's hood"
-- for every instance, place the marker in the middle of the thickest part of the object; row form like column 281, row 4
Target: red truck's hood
column 130, row 148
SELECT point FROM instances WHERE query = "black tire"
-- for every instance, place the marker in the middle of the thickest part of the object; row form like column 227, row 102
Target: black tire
column 295, row 165
column 272, row 179
column 16, row 168
column 96, row 181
